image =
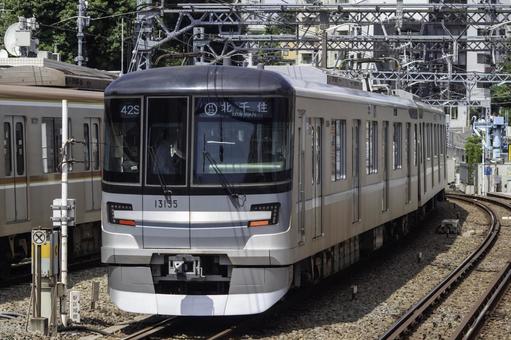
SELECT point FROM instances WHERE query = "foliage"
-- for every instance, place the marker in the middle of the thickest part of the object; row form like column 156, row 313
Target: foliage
column 473, row 153
column 58, row 27
column 501, row 94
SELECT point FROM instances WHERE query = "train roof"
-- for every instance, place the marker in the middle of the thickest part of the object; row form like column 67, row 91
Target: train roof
column 309, row 81
column 212, row 79
column 13, row 92
column 52, row 73
column 231, row 80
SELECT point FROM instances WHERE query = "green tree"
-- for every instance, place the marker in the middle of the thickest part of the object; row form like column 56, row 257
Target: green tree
column 501, row 94
column 473, row 154
column 57, row 20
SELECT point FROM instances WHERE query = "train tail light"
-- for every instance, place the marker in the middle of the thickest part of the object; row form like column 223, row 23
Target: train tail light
column 259, row 223
column 272, row 207
column 113, row 207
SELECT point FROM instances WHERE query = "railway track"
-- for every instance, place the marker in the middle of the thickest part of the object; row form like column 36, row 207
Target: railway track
column 152, row 329
column 474, row 320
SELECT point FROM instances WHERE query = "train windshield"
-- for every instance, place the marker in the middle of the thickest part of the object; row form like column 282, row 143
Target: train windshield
column 247, row 140
column 122, row 140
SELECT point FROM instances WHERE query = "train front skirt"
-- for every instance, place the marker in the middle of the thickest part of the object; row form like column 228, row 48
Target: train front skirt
column 251, row 291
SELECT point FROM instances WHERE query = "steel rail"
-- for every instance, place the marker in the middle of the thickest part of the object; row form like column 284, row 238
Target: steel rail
column 222, row 334
column 472, row 323
column 152, row 329
column 414, row 313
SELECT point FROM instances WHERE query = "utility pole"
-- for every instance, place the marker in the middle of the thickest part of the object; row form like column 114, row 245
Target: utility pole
column 122, row 45
column 64, row 212
column 81, row 22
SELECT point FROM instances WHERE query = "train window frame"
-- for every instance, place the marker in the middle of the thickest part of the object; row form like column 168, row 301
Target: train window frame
column 371, row 147
column 141, row 135
column 397, row 145
column 146, row 140
column 291, row 117
column 7, row 147
column 338, row 149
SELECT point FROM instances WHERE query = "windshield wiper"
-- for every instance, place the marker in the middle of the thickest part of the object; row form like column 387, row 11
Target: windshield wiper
column 236, row 199
column 167, row 193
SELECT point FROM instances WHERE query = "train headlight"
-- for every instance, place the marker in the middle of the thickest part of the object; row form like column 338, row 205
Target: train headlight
column 272, row 207
column 113, row 207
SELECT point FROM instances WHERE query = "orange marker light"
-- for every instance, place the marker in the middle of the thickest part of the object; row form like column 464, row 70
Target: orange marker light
column 127, row 222
column 258, row 223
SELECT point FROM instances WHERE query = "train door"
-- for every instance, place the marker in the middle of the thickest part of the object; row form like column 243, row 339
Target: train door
column 166, row 201
column 316, row 211
column 15, row 168
column 356, row 169
column 385, row 196
column 408, row 163
column 91, row 133
column 301, row 178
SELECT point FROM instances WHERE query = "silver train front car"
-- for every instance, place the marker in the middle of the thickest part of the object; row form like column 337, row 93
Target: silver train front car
column 223, row 187
column 206, row 232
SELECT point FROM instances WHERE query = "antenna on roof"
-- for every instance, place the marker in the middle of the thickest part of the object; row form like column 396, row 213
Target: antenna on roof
column 18, row 39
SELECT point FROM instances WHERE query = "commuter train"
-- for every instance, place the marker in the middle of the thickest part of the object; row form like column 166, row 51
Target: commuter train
column 224, row 187
column 30, row 123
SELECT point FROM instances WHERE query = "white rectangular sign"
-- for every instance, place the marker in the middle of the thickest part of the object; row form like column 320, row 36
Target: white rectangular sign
column 74, row 306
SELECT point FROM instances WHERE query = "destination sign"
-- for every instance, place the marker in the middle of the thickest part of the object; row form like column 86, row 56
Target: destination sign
column 240, row 108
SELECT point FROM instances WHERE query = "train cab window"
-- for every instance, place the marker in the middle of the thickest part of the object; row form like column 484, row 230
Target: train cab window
column 86, row 147
column 397, row 146
column 20, row 149
column 371, row 147
column 7, row 149
column 166, row 150
column 122, row 140
column 338, row 144
column 242, row 139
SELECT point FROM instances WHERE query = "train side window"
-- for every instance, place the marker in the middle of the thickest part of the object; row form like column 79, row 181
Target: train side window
column 20, row 149
column 435, row 140
column 95, row 145
column 7, row 149
column 70, row 136
column 338, row 133
column 86, row 147
column 415, row 155
column 371, row 147
column 397, row 146
column 51, row 140
column 429, row 140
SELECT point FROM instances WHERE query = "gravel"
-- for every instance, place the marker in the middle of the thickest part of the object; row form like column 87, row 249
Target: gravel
column 388, row 284
column 17, row 299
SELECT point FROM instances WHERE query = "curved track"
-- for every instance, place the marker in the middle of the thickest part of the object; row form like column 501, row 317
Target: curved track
column 418, row 310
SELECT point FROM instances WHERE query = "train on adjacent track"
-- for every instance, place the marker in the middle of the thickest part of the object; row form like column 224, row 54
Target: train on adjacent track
column 224, row 187
column 30, row 123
